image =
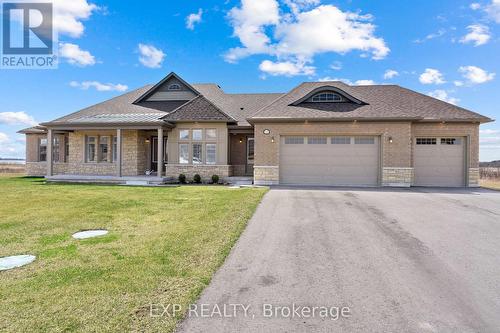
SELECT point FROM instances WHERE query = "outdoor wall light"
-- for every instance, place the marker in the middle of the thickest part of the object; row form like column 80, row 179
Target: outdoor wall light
column 241, row 140
column 272, row 139
column 147, row 140
column 390, row 139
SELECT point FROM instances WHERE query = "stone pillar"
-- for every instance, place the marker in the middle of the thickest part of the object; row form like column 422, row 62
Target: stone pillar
column 119, row 152
column 160, row 153
column 50, row 142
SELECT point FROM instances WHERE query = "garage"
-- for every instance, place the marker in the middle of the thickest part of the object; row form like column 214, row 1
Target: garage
column 330, row 160
column 439, row 161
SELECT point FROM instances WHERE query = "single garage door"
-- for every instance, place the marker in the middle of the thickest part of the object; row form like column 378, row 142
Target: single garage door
column 439, row 161
column 329, row 160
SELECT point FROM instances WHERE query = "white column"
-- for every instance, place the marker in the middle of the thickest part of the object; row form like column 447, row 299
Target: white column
column 50, row 142
column 119, row 152
column 160, row 152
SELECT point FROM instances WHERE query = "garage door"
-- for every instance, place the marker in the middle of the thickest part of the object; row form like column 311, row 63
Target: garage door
column 439, row 161
column 329, row 160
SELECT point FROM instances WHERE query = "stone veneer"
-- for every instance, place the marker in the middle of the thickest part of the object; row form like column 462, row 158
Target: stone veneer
column 397, row 177
column 205, row 171
column 266, row 175
column 473, row 177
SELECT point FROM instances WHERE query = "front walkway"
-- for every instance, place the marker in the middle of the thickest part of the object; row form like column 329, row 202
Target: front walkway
column 413, row 260
column 107, row 179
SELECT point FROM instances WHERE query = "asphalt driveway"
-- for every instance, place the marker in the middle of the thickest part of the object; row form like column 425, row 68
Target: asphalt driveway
column 419, row 260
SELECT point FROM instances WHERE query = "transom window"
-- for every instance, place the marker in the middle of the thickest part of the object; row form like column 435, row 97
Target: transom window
column 426, row 141
column 364, row 141
column 327, row 97
column 341, row 140
column 174, row 86
column 317, row 140
column 450, row 141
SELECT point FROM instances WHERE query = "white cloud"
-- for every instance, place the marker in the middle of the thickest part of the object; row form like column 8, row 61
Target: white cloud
column 390, row 74
column 150, row 56
column 301, row 34
column 336, row 65
column 193, row 19
column 86, row 85
column 458, row 83
column 431, row 76
column 478, row 34
column 4, row 138
column 68, row 16
column 286, row 68
column 476, row 75
column 16, row 118
column 431, row 36
column 493, row 10
column 365, row 83
column 443, row 95
column 75, row 55
column 489, row 132
column 475, row 6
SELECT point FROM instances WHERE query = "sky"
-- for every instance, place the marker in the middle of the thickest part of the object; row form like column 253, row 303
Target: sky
column 448, row 49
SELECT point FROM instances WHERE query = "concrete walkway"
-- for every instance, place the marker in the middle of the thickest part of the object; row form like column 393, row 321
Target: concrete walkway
column 399, row 260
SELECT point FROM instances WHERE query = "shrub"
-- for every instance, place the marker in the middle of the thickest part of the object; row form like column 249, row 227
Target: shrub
column 182, row 178
column 215, row 179
column 197, row 178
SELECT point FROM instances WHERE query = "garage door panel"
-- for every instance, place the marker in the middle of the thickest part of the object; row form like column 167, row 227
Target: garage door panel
column 439, row 164
column 329, row 164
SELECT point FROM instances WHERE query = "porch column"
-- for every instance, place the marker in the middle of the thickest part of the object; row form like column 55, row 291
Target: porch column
column 160, row 152
column 119, row 152
column 50, row 142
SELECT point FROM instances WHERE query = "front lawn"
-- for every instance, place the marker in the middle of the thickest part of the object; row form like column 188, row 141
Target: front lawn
column 163, row 247
column 490, row 183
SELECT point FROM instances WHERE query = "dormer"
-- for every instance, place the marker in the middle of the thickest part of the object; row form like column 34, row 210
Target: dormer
column 327, row 94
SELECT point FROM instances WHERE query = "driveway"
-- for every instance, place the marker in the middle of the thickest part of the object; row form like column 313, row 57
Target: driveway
column 409, row 260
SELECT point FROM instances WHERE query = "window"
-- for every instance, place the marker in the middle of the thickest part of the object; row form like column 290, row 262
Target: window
column 103, row 149
column 451, row 141
column 197, row 153
column 66, row 149
column 426, row 141
column 42, row 150
column 294, row 140
column 198, row 134
column 341, row 140
column 326, row 97
column 174, row 86
column 211, row 149
column 56, row 149
column 115, row 148
column 364, row 141
column 184, row 134
column 184, row 153
column 316, row 140
column 211, row 134
column 90, row 148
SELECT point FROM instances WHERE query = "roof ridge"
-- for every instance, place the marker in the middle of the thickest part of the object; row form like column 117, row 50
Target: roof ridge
column 194, row 99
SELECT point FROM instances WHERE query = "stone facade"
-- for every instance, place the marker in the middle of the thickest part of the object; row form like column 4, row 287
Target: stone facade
column 397, row 177
column 205, row 171
column 266, row 175
column 36, row 169
column 473, row 177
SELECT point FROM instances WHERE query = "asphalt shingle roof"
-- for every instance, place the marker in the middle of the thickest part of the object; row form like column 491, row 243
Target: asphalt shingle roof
column 198, row 109
column 380, row 102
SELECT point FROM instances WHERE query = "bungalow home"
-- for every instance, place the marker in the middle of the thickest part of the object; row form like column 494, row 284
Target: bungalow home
column 319, row 133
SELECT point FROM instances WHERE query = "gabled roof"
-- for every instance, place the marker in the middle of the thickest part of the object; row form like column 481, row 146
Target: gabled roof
column 380, row 102
column 198, row 109
column 159, row 84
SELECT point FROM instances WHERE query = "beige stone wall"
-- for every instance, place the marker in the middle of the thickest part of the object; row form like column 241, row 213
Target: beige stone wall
column 266, row 175
column 36, row 169
column 205, row 171
column 397, row 177
column 474, row 177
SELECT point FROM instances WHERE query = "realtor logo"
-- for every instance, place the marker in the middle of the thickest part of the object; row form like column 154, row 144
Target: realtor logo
column 28, row 37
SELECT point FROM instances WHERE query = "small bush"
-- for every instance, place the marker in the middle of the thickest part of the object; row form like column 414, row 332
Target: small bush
column 215, row 179
column 182, row 178
column 197, row 178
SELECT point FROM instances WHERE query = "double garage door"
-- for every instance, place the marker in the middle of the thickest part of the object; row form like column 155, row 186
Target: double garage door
column 355, row 161
column 330, row 160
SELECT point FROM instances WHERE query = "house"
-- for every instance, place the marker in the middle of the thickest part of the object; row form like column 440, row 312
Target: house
column 319, row 133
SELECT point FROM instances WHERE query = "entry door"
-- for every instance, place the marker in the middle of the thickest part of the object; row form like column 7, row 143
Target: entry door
column 250, row 155
column 154, row 153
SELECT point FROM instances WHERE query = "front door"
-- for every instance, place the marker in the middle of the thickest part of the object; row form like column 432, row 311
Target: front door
column 250, row 155
column 154, row 153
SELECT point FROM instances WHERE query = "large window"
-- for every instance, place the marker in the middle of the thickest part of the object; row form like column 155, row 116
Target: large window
column 56, row 149
column 326, row 97
column 197, row 134
column 104, row 149
column 184, row 153
column 42, row 150
column 115, row 148
column 184, row 134
column 197, row 153
column 90, row 149
column 211, row 134
column 211, row 153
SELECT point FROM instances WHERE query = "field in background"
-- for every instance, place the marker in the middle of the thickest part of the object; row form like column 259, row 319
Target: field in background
column 490, row 177
column 12, row 168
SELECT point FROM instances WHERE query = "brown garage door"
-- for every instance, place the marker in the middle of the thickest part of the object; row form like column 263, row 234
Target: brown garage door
column 329, row 160
column 439, row 161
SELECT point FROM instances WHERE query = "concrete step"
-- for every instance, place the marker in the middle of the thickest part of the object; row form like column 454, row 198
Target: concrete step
column 237, row 181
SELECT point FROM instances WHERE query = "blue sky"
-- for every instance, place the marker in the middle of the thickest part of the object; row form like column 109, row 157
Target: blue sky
column 449, row 49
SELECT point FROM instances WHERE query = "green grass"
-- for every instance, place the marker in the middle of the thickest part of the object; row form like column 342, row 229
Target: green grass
column 163, row 247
